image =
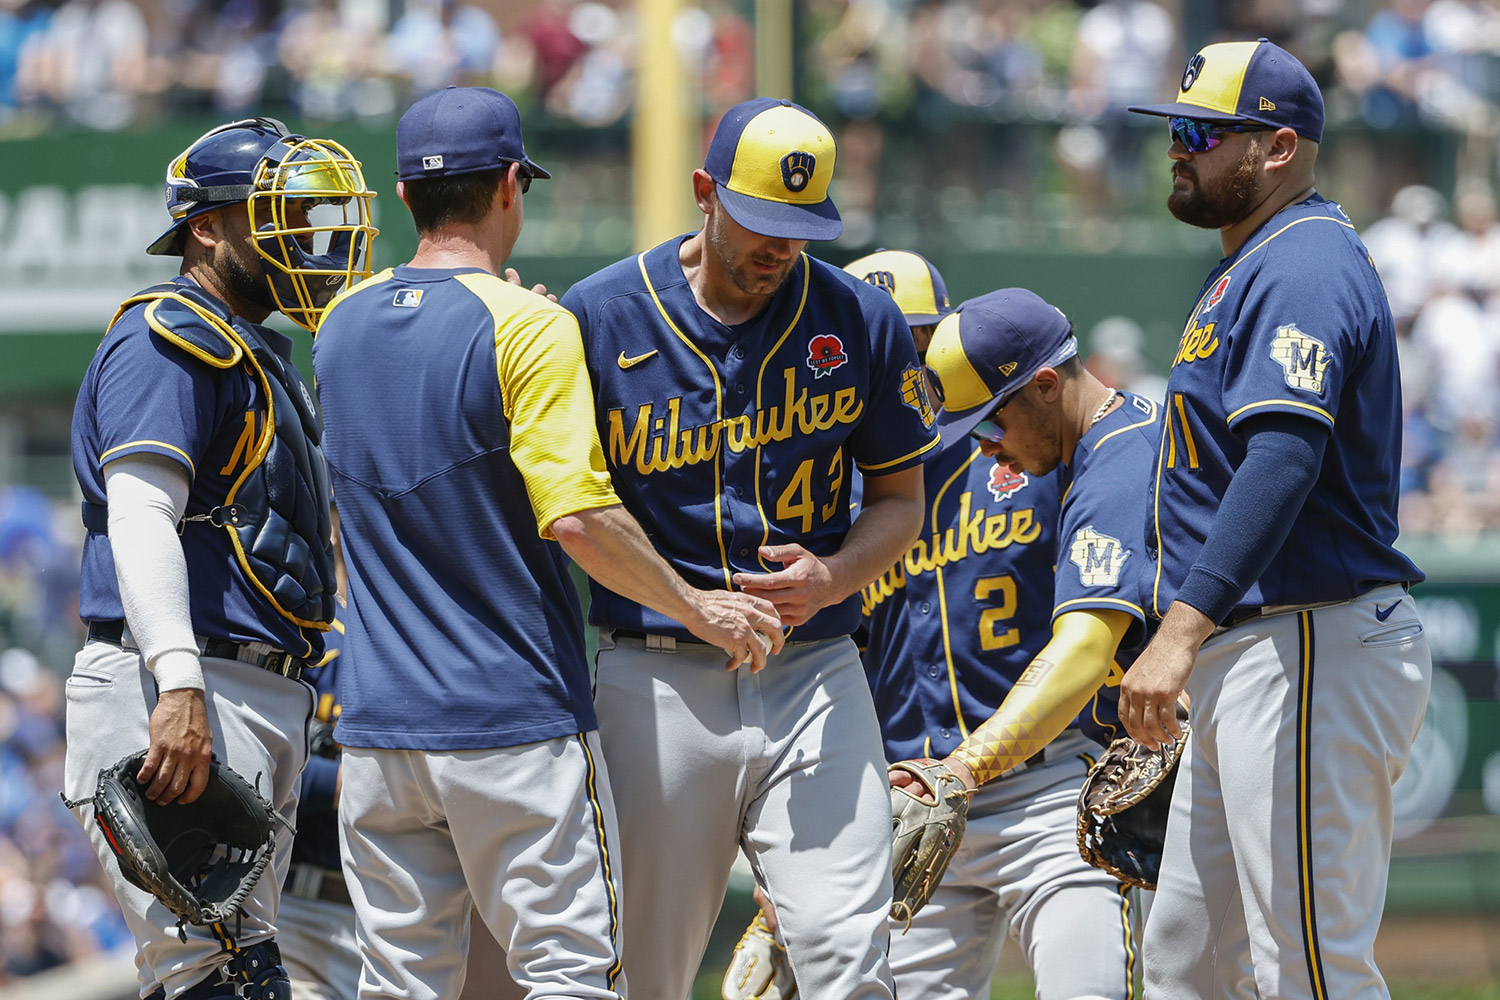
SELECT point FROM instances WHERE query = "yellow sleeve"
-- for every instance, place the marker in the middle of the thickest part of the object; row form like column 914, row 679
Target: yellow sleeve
column 1049, row 694
column 549, row 402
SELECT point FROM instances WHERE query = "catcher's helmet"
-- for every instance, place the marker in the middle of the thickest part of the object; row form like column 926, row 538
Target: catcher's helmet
column 258, row 163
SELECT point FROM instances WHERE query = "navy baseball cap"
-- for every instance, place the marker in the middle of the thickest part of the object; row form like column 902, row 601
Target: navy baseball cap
column 910, row 279
column 460, row 130
column 988, row 348
column 1247, row 82
column 772, row 161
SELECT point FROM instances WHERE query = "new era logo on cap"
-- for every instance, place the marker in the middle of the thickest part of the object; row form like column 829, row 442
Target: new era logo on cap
column 432, row 163
column 989, row 349
column 1234, row 83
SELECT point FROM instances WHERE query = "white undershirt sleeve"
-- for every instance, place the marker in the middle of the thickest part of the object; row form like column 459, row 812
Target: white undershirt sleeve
column 147, row 496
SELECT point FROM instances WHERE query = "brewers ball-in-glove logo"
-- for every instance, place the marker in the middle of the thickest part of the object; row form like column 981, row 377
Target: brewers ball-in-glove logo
column 1304, row 359
column 1099, row 557
column 1005, row 483
column 825, row 353
column 883, row 279
column 914, row 394
column 1192, row 72
column 797, row 169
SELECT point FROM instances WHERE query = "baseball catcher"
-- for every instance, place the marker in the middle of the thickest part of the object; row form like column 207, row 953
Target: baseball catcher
column 1124, row 804
column 200, row 859
column 928, row 817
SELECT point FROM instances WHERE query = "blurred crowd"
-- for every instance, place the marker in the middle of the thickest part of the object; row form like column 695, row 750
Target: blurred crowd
column 105, row 63
column 55, row 906
column 1441, row 269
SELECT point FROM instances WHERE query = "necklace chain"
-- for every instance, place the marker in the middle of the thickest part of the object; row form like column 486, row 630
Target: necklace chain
column 1103, row 407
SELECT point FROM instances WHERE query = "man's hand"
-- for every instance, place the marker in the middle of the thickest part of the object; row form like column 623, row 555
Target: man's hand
column 176, row 765
column 1152, row 685
column 764, row 902
column 744, row 626
column 903, row 779
column 800, row 590
column 514, row 277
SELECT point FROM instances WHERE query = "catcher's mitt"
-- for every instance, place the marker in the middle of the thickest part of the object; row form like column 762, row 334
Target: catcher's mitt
column 202, row 859
column 758, row 969
column 926, row 834
column 1123, row 808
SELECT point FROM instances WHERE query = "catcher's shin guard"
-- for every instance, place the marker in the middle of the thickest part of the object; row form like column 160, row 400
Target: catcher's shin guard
column 253, row 973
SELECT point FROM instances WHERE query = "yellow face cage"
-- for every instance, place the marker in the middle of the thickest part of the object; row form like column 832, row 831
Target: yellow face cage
column 310, row 214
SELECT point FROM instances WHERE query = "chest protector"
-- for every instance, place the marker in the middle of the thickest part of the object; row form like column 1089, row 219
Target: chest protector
column 277, row 511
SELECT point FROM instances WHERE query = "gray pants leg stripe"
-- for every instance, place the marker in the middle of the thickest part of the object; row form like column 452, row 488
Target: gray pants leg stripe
column 604, row 862
column 1304, row 807
column 1129, row 941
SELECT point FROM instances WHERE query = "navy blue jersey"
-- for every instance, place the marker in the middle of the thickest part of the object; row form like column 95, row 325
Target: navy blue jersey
column 956, row 621
column 1103, row 559
column 723, row 439
column 458, row 427
column 1296, row 322
column 317, row 839
column 144, row 395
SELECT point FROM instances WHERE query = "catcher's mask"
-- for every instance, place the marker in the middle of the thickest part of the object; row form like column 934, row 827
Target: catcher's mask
column 306, row 200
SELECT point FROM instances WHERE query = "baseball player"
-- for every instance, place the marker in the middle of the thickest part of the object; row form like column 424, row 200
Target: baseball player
column 1283, row 600
column 738, row 383
column 960, row 628
column 462, row 449
column 955, row 632
column 208, row 579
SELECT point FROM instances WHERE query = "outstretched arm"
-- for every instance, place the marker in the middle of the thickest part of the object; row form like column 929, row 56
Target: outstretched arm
column 1049, row 694
column 608, row 544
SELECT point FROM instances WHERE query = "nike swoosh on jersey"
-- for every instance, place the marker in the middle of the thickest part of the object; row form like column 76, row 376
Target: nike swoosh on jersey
column 625, row 362
column 1383, row 615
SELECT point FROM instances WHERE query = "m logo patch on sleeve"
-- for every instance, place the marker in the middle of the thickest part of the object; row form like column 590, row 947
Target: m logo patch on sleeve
column 914, row 394
column 1304, row 360
column 1099, row 557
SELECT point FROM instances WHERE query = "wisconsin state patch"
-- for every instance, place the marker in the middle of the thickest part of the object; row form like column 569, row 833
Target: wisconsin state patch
column 1004, row 483
column 914, row 394
column 825, row 355
column 1303, row 359
column 1098, row 556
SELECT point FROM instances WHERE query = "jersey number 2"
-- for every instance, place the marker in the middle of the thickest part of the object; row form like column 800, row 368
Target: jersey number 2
column 991, row 636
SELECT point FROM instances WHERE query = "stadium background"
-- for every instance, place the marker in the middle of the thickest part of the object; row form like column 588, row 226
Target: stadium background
column 986, row 134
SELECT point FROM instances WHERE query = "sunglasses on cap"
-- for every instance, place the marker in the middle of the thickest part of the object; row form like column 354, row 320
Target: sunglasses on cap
column 523, row 176
column 1200, row 136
